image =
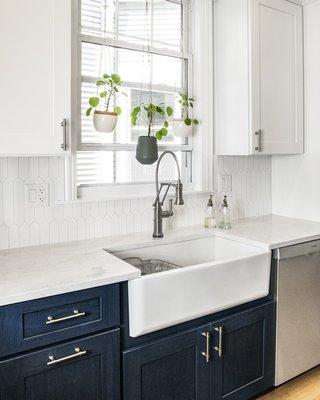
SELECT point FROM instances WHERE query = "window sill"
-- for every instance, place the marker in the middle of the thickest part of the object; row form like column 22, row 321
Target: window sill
column 187, row 193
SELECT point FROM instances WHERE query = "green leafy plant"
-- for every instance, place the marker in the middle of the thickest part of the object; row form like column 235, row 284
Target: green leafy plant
column 187, row 103
column 108, row 87
column 148, row 113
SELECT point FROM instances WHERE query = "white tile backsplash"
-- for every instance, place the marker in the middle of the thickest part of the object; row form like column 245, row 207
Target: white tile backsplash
column 21, row 226
column 251, row 184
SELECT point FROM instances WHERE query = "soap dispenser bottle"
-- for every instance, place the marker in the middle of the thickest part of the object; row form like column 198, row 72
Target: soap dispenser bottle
column 210, row 214
column 224, row 215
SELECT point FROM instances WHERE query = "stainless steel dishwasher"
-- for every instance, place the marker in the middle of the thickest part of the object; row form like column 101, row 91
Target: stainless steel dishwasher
column 298, row 310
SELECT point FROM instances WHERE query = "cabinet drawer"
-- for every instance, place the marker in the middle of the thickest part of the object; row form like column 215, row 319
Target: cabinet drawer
column 88, row 368
column 61, row 317
column 36, row 323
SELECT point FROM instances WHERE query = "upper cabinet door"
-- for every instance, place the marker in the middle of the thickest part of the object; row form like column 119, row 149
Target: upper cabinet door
column 258, row 77
column 35, row 78
column 277, row 77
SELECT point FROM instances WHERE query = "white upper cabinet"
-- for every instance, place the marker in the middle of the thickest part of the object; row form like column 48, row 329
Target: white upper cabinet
column 258, row 77
column 35, row 76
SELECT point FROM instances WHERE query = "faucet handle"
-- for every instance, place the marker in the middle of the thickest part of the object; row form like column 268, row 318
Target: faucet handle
column 171, row 205
column 179, row 194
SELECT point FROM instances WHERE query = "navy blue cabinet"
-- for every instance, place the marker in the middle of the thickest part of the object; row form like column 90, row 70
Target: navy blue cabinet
column 235, row 361
column 174, row 368
column 244, row 367
column 68, row 347
column 87, row 369
column 37, row 323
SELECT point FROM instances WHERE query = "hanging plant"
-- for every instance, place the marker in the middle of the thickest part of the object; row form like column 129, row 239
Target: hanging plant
column 147, row 147
column 183, row 127
column 105, row 120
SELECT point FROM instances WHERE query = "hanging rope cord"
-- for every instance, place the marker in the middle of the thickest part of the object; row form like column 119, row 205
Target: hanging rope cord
column 147, row 43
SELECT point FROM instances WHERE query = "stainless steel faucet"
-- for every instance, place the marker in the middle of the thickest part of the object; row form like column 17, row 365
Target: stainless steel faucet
column 159, row 214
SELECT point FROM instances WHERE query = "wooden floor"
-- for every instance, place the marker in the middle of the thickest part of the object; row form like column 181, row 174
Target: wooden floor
column 305, row 387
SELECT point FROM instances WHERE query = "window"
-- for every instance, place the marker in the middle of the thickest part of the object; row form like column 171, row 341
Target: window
column 146, row 43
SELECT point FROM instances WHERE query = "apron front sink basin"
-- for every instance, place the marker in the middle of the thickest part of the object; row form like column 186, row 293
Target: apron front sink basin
column 207, row 275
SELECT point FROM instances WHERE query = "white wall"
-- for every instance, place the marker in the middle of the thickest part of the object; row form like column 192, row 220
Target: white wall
column 21, row 226
column 296, row 179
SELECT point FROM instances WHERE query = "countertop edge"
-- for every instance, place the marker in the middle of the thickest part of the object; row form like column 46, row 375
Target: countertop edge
column 55, row 291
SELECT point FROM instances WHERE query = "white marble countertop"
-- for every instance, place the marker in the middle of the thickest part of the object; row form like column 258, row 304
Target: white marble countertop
column 274, row 231
column 34, row 272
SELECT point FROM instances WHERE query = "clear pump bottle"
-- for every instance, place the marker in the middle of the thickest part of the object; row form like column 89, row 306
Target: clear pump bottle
column 224, row 215
column 210, row 214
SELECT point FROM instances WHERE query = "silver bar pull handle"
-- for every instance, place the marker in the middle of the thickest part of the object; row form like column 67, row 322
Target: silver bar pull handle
column 206, row 353
column 76, row 314
column 64, row 127
column 219, row 347
column 259, row 148
column 78, row 353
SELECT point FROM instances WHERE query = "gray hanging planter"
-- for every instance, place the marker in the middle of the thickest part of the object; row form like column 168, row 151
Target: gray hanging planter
column 147, row 150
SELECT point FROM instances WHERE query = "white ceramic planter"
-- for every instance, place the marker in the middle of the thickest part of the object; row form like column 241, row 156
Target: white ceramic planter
column 105, row 121
column 180, row 129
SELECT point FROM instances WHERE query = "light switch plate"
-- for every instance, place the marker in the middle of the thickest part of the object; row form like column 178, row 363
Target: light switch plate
column 37, row 195
column 225, row 183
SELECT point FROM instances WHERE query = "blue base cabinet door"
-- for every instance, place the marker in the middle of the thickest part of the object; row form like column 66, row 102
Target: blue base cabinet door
column 175, row 368
column 84, row 369
column 243, row 354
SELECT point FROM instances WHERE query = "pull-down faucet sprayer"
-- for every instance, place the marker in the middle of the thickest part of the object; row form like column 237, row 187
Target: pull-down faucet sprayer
column 159, row 214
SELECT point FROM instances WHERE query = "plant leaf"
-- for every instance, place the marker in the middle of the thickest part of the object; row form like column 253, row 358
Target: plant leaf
column 88, row 112
column 94, row 101
column 196, row 122
column 159, row 110
column 159, row 135
column 100, row 82
column 116, row 78
column 135, row 111
column 118, row 110
column 103, row 94
column 106, row 76
column 187, row 121
column 164, row 131
column 133, row 121
column 166, row 124
column 169, row 111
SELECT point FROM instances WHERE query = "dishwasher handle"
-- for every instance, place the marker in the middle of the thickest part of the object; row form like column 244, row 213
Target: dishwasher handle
column 302, row 249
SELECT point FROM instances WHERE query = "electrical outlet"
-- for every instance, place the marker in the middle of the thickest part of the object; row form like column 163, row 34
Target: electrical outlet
column 37, row 195
column 225, row 183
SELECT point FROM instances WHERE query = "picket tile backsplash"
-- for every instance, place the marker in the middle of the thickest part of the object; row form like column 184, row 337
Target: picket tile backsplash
column 24, row 226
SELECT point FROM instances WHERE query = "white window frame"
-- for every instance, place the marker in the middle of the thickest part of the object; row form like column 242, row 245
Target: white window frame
column 200, row 146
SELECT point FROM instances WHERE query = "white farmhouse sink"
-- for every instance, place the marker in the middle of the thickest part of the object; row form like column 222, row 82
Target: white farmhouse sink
column 215, row 274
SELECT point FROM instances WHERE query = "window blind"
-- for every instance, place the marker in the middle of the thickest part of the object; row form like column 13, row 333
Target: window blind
column 154, row 23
